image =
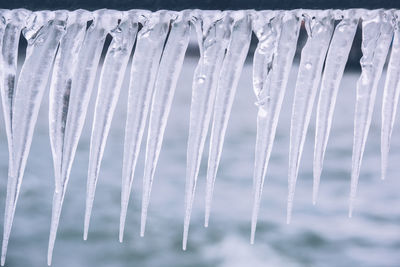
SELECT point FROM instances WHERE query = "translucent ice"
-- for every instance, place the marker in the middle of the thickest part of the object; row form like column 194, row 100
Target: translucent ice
column 319, row 29
column 60, row 89
column 227, row 84
column 377, row 33
column 146, row 59
column 111, row 78
column 391, row 93
column 271, row 68
column 213, row 30
column 338, row 53
column 43, row 33
column 167, row 77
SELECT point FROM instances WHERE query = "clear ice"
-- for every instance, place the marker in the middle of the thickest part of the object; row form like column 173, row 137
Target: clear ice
column 319, row 28
column 60, row 89
column 213, row 31
column 336, row 60
column 65, row 47
column 146, row 60
column 228, row 81
column 377, row 34
column 111, row 78
column 271, row 68
column 391, row 93
column 43, row 32
column 164, row 89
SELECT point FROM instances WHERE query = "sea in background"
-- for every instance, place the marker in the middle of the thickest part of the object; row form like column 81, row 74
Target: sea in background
column 320, row 235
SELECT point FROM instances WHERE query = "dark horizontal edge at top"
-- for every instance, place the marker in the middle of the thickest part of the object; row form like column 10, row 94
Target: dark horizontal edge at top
column 154, row 5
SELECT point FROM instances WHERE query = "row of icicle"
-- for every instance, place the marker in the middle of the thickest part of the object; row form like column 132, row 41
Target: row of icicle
column 62, row 45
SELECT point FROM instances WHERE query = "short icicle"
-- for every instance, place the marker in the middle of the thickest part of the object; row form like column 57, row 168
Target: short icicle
column 60, row 89
column 145, row 63
column 213, row 31
column 43, row 32
column 377, row 33
column 228, row 82
column 167, row 77
column 336, row 59
column 391, row 93
column 319, row 28
column 272, row 64
column 111, row 78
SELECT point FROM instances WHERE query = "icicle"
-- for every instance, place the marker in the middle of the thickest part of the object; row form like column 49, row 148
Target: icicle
column 334, row 67
column 15, row 20
column 43, row 33
column 319, row 29
column 146, row 59
column 377, row 33
column 82, row 85
column 228, row 81
column 272, row 64
column 167, row 77
column 214, row 29
column 390, row 96
column 111, row 79
column 60, row 89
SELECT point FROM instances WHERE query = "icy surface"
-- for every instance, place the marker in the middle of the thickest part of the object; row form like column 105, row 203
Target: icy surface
column 336, row 60
column 377, row 33
column 43, row 33
column 213, row 30
column 146, row 59
column 276, row 48
column 164, row 89
column 391, row 93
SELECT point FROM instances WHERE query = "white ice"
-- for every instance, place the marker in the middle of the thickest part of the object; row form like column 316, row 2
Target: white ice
column 336, row 60
column 391, row 93
column 111, row 78
column 377, row 33
column 43, row 33
column 213, row 31
column 271, row 68
column 164, row 89
column 146, row 60
column 319, row 29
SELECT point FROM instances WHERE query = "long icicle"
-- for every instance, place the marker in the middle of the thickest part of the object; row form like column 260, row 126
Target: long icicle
column 60, row 89
column 146, row 59
column 81, row 88
column 270, row 90
column 15, row 21
column 43, row 33
column 338, row 54
column 377, row 33
column 213, row 30
column 228, row 82
column 391, row 94
column 111, row 78
column 167, row 77
column 319, row 30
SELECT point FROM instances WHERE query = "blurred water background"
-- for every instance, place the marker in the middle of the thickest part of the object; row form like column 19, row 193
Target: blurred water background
column 320, row 235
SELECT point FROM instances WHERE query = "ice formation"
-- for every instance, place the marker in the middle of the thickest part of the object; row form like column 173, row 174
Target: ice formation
column 65, row 48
